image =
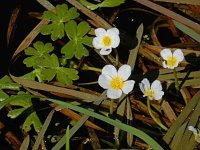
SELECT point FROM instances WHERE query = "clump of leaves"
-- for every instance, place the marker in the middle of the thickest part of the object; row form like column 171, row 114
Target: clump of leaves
column 47, row 66
column 6, row 84
column 57, row 20
column 105, row 3
column 24, row 101
column 77, row 37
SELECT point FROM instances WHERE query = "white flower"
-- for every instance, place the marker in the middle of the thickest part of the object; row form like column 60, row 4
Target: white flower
column 152, row 92
column 106, row 40
column 196, row 132
column 171, row 60
column 115, row 81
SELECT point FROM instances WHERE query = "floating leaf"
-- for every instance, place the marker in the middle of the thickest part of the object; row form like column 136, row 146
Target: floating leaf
column 39, row 53
column 77, row 36
column 66, row 75
column 62, row 15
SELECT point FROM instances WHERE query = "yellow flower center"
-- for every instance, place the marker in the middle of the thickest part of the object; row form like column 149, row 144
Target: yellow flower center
column 150, row 93
column 117, row 83
column 107, row 41
column 171, row 61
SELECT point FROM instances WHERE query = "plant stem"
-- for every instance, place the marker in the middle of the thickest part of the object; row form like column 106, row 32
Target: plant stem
column 176, row 79
column 111, row 106
column 86, row 67
column 88, row 83
column 153, row 117
column 116, row 57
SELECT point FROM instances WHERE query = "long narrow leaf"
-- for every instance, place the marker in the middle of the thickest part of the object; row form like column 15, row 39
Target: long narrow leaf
column 120, row 125
column 43, row 130
column 25, row 143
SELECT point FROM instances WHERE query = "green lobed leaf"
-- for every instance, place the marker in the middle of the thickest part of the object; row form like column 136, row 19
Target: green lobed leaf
column 72, row 14
column 32, row 119
column 7, row 83
column 77, row 36
column 81, row 51
column 37, row 54
column 3, row 96
column 15, row 113
column 82, row 29
column 71, row 29
column 56, row 27
column 66, row 75
column 69, row 49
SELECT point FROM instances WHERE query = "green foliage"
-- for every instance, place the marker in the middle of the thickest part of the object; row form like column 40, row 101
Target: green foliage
column 23, row 100
column 7, row 83
column 56, row 27
column 105, row 3
column 77, row 36
column 47, row 66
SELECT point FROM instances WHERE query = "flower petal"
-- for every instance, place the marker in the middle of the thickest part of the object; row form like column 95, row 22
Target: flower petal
column 164, row 64
column 156, row 85
column 165, row 53
column 113, row 31
column 158, row 95
column 128, row 86
column 97, row 43
column 124, row 72
column 191, row 128
column 115, row 41
column 104, row 81
column 179, row 55
column 144, row 85
column 105, row 51
column 114, row 94
column 100, row 32
column 109, row 70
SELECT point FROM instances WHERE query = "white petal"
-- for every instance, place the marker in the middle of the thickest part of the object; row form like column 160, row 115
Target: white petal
column 114, row 94
column 191, row 128
column 144, row 85
column 179, row 55
column 113, row 31
column 165, row 53
column 164, row 64
column 158, row 95
column 100, row 32
column 124, row 72
column 104, row 81
column 128, row 86
column 156, row 85
column 115, row 41
column 109, row 70
column 105, row 51
column 96, row 43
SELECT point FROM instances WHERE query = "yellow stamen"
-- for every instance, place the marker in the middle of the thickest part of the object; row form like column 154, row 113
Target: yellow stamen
column 117, row 83
column 107, row 41
column 171, row 61
column 150, row 93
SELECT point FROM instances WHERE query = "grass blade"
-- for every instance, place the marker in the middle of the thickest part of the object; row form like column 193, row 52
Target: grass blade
column 120, row 125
